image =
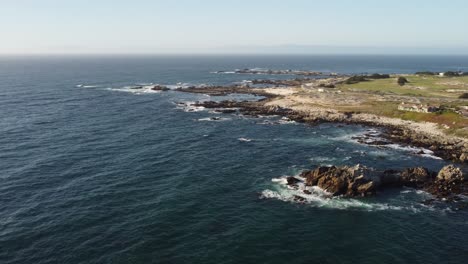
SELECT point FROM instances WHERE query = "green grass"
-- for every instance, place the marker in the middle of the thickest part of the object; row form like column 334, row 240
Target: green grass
column 432, row 91
column 424, row 86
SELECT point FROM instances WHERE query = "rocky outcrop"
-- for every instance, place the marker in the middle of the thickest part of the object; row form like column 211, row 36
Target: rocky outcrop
column 160, row 88
column 225, row 90
column 448, row 183
column 292, row 180
column 448, row 148
column 415, row 177
column 450, row 174
column 360, row 181
column 278, row 72
column 348, row 181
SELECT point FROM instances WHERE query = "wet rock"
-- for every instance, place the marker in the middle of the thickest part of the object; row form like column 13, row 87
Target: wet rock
column 390, row 178
column 332, row 184
column 360, row 181
column 292, row 180
column 228, row 111
column 347, row 181
column 160, row 88
column 464, row 157
column 450, row 174
column 298, row 198
column 415, row 177
column 313, row 176
column 428, row 201
column 365, row 189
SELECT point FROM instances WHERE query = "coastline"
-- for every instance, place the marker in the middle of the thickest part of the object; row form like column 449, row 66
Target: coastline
column 283, row 102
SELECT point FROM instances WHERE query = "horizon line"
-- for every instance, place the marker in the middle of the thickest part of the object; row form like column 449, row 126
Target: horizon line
column 228, row 54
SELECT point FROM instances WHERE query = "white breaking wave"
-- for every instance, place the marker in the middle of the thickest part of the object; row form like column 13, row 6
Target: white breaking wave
column 224, row 72
column 420, row 151
column 317, row 197
column 135, row 89
column 189, row 107
column 317, row 200
column 285, row 120
column 86, row 86
column 374, row 135
column 244, row 139
column 214, row 119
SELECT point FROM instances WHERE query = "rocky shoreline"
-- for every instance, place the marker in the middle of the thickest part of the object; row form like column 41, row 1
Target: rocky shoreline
column 448, row 184
column 279, row 72
column 225, row 90
column 359, row 181
column 452, row 149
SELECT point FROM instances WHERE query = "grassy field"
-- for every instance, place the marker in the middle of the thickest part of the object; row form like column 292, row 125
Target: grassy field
column 424, row 86
column 433, row 90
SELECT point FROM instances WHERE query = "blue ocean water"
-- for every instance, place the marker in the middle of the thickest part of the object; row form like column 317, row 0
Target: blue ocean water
column 94, row 172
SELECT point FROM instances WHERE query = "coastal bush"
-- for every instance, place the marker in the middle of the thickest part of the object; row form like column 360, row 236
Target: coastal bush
column 451, row 74
column 402, row 81
column 464, row 96
column 426, row 73
column 379, row 76
column 326, row 85
column 356, row 79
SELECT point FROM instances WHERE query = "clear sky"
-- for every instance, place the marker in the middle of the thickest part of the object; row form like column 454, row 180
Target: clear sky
column 222, row 26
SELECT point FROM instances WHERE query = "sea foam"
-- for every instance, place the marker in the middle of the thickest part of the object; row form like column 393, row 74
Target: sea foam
column 318, row 197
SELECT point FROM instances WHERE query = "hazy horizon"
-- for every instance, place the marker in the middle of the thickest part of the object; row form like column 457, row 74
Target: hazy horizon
column 215, row 27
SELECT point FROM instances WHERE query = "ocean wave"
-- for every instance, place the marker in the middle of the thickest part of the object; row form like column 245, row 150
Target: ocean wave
column 244, row 139
column 135, row 89
column 214, row 119
column 371, row 136
column 318, row 200
column 86, row 86
column 181, row 85
column 317, row 197
column 145, row 88
column 285, row 121
column 321, row 159
column 415, row 150
column 223, row 72
column 189, row 107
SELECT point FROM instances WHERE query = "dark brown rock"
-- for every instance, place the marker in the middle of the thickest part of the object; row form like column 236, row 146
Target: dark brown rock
column 450, row 174
column 347, row 181
column 292, row 180
column 415, row 177
column 298, row 198
column 160, row 88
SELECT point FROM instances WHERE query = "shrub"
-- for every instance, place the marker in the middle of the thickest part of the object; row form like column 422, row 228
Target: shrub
column 451, row 74
column 464, row 96
column 426, row 73
column 328, row 85
column 402, row 81
column 379, row 76
column 356, row 79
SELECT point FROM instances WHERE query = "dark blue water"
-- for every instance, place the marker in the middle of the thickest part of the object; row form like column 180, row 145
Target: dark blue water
column 99, row 174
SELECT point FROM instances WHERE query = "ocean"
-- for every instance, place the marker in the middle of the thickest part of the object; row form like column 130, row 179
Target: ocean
column 93, row 171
